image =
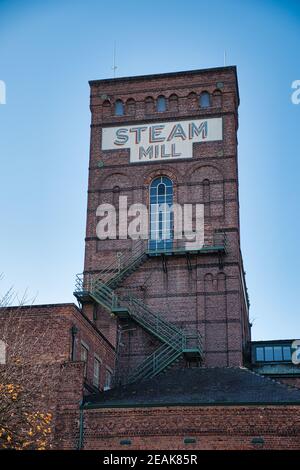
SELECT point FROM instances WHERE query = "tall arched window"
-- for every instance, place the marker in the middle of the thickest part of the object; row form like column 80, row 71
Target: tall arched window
column 119, row 108
column 161, row 104
column 204, row 100
column 161, row 214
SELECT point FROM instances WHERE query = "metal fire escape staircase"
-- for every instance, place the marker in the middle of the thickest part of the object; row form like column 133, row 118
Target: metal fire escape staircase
column 176, row 342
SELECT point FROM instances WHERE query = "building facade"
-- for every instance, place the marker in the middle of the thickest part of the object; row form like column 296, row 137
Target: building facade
column 160, row 133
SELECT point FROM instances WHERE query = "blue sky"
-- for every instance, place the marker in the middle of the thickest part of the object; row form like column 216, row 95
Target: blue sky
column 48, row 52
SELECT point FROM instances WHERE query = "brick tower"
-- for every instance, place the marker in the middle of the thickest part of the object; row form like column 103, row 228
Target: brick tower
column 163, row 303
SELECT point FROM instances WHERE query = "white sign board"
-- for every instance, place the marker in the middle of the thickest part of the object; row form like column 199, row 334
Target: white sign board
column 161, row 141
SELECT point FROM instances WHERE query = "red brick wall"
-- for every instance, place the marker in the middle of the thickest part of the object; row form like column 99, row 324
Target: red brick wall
column 166, row 428
column 46, row 330
column 40, row 337
column 70, row 391
column 209, row 297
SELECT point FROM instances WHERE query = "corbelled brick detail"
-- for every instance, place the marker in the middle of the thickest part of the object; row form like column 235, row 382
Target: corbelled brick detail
column 213, row 427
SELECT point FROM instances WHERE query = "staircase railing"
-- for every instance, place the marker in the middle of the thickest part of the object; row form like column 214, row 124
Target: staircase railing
column 126, row 261
column 156, row 362
column 165, row 356
column 151, row 321
column 123, row 262
column 175, row 340
column 105, row 296
column 193, row 341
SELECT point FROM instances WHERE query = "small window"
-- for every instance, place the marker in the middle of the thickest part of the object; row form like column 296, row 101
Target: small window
column 260, row 354
column 108, row 379
column 119, row 108
column 84, row 358
column 161, row 104
column 217, row 98
column 130, row 107
column 287, row 356
column 192, row 101
column 96, row 378
column 269, row 354
column 173, row 103
column 106, row 108
column 149, row 105
column 277, row 353
column 204, row 100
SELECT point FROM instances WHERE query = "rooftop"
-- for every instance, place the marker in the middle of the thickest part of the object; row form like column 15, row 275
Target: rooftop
column 199, row 386
column 165, row 75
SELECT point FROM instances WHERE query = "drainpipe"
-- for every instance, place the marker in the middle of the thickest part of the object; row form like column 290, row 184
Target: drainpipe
column 81, row 426
column 74, row 331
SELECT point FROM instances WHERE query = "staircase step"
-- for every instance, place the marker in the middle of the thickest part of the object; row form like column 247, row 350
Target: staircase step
column 173, row 339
